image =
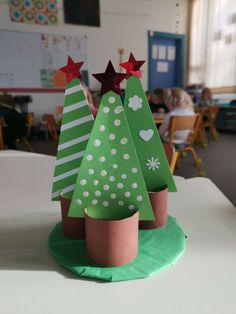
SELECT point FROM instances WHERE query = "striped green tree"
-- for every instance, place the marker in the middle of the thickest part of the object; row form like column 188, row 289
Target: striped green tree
column 77, row 123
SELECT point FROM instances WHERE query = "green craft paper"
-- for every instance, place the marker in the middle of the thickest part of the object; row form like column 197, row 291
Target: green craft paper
column 77, row 123
column 152, row 158
column 158, row 249
column 110, row 178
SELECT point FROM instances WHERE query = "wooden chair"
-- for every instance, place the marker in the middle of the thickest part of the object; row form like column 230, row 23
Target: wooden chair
column 29, row 123
column 181, row 123
column 171, row 155
column 51, row 126
column 2, row 124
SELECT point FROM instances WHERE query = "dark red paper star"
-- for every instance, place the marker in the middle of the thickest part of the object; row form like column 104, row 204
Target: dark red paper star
column 110, row 79
column 72, row 69
column 132, row 66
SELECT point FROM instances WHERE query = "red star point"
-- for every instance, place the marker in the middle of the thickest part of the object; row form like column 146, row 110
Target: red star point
column 132, row 66
column 110, row 80
column 72, row 69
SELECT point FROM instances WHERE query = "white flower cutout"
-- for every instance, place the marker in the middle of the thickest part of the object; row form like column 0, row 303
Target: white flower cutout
column 135, row 103
column 153, row 164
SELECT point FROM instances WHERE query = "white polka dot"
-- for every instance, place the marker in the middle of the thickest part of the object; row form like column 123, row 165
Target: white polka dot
column 117, row 122
column 78, row 201
column 95, row 182
column 123, row 176
column 131, row 207
column 90, row 171
column 105, row 203
column 121, row 203
column 102, row 158
column 120, row 185
column 106, row 187
column 106, row 110
column 111, row 100
column 139, row 198
column 89, row 157
column 103, row 173
column 94, row 202
column 98, row 193
column 112, row 179
column 113, row 196
column 134, row 170
column 114, row 166
column 85, row 194
column 118, row 109
column 124, row 141
column 97, row 142
column 126, row 156
column 102, row 128
column 134, row 185
column 112, row 136
column 113, row 151
column 127, row 194
column 83, row 182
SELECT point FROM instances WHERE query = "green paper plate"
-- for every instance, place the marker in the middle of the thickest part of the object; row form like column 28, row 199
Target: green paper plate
column 158, row 249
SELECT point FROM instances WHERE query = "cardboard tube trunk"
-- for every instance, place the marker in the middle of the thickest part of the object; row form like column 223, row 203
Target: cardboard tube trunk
column 72, row 227
column 111, row 243
column 159, row 206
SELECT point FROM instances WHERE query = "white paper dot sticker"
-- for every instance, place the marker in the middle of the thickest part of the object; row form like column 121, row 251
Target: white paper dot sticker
column 126, row 156
column 127, row 194
column 113, row 151
column 95, row 182
column 90, row 171
column 97, row 142
column 106, row 187
column 139, row 198
column 118, row 109
column 134, row 185
column 134, row 170
column 78, row 201
column 114, row 166
column 111, row 99
column 83, row 182
column 112, row 178
column 120, row 185
column 121, row 203
column 112, row 136
column 131, row 207
column 102, row 128
column 106, row 110
column 86, row 194
column 124, row 176
column 98, row 193
column 105, row 203
column 124, row 141
column 94, row 202
column 89, row 157
column 117, row 122
column 113, row 196
column 102, row 158
column 103, row 173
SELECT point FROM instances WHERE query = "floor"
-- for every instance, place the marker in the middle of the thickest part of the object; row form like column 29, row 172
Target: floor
column 218, row 162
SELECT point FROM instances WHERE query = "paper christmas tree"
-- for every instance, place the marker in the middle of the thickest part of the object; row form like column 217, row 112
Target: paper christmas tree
column 151, row 155
column 110, row 182
column 77, row 123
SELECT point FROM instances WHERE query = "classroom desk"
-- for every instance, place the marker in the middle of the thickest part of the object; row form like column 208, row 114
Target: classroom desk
column 202, row 281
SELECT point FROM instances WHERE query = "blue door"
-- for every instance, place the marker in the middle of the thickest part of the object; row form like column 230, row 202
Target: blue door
column 166, row 60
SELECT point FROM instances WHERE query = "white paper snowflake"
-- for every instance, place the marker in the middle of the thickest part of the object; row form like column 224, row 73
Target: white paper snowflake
column 153, row 164
column 135, row 103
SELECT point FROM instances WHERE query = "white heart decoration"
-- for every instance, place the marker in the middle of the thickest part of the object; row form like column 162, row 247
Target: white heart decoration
column 146, row 135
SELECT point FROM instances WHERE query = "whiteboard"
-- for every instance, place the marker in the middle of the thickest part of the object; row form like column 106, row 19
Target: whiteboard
column 25, row 58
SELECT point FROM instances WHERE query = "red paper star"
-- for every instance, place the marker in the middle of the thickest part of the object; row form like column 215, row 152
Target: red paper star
column 72, row 69
column 110, row 79
column 132, row 66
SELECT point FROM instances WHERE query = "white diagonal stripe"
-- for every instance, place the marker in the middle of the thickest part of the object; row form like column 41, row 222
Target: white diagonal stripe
column 73, row 142
column 69, row 158
column 73, row 89
column 63, row 191
column 71, row 124
column 75, row 106
column 66, row 175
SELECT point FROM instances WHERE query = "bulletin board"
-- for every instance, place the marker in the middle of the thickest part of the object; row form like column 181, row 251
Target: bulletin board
column 30, row 61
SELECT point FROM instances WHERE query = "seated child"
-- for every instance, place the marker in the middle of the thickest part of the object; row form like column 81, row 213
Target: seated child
column 182, row 105
column 157, row 103
column 206, row 98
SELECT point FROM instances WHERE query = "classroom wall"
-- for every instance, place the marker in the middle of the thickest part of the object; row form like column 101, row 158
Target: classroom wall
column 124, row 24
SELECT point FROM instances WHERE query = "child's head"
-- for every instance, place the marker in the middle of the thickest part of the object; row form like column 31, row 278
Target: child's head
column 158, row 96
column 206, row 94
column 180, row 99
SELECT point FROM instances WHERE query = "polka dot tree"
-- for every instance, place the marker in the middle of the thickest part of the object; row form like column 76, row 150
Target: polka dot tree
column 151, row 155
column 110, row 180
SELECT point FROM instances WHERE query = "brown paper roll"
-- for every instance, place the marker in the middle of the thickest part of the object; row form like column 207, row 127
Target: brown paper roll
column 159, row 206
column 72, row 227
column 111, row 242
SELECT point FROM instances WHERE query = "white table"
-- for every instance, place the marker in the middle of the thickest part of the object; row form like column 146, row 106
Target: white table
column 201, row 282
